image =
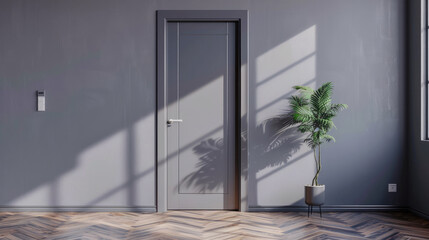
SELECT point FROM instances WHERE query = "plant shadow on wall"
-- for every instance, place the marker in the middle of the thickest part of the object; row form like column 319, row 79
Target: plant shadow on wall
column 274, row 148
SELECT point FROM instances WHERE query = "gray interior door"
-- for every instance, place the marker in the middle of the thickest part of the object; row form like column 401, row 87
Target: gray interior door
column 201, row 78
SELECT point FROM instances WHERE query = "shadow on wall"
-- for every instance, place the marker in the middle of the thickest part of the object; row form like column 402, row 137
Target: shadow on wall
column 273, row 150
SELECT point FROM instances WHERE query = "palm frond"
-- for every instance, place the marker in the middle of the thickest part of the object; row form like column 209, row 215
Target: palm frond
column 335, row 108
column 327, row 138
column 305, row 128
column 303, row 114
column 310, row 142
column 306, row 92
column 321, row 98
column 297, row 101
column 313, row 112
column 325, row 124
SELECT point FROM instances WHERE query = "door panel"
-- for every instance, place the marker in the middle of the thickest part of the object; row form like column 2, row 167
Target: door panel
column 200, row 90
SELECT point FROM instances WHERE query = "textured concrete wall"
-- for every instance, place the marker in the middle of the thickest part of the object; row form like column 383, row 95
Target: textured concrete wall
column 95, row 144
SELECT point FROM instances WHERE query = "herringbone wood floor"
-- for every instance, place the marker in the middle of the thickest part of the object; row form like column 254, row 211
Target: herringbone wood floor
column 211, row 225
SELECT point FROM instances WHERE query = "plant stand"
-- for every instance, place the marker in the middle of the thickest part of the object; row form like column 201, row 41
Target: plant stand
column 310, row 210
column 314, row 196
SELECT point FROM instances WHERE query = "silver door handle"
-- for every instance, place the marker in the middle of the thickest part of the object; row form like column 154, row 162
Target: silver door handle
column 170, row 121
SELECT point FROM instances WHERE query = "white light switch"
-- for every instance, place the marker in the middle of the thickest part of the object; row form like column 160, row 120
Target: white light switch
column 392, row 187
column 41, row 101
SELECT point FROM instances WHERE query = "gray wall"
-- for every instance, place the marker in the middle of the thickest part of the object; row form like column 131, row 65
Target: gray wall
column 418, row 148
column 95, row 144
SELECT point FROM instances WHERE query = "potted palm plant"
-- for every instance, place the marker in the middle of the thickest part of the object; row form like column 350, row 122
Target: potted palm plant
column 312, row 112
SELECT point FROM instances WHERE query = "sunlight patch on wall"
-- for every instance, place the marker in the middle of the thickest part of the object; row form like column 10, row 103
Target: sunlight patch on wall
column 192, row 104
column 111, row 153
column 144, row 156
column 287, row 53
column 190, row 107
column 274, row 93
column 290, row 63
column 243, row 91
column 38, row 196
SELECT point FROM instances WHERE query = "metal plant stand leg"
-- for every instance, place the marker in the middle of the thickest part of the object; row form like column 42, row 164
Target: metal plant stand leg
column 308, row 210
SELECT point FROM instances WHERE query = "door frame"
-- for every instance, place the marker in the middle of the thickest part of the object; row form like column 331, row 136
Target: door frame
column 241, row 18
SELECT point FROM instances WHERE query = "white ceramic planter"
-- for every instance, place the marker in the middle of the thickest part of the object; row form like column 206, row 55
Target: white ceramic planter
column 315, row 195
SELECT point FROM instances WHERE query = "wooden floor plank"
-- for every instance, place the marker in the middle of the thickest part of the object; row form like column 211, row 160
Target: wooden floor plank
column 211, row 225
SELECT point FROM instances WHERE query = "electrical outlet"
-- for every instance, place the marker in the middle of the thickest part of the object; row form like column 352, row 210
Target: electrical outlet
column 391, row 187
